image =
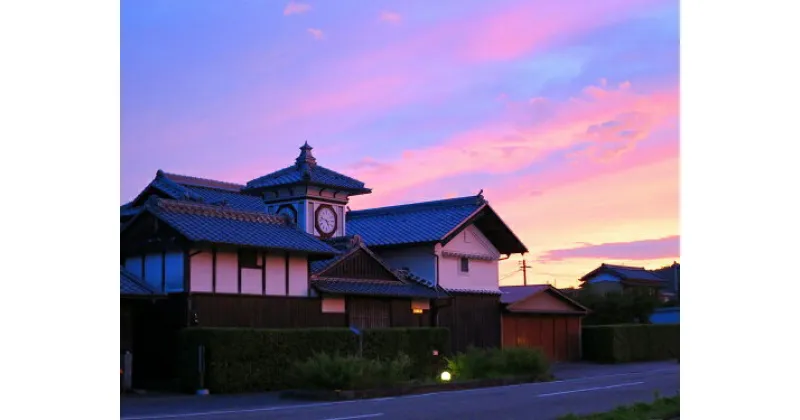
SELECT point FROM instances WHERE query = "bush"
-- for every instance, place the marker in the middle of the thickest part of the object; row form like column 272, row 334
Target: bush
column 323, row 371
column 253, row 360
column 493, row 363
column 631, row 343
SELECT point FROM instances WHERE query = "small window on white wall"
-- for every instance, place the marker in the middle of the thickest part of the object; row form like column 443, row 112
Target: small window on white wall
column 466, row 237
column 464, row 265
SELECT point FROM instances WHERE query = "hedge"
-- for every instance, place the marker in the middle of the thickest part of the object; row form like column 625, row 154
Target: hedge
column 253, row 360
column 631, row 343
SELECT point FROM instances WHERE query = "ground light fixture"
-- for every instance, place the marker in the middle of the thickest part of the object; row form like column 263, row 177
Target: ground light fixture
column 445, row 376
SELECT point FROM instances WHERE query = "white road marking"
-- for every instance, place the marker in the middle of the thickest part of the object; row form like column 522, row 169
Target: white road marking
column 326, row 404
column 597, row 388
column 364, row 416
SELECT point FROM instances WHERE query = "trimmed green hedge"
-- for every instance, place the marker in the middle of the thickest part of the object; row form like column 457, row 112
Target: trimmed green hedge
column 253, row 360
column 631, row 343
column 492, row 363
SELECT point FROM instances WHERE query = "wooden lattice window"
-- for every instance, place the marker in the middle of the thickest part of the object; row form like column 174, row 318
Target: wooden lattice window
column 368, row 313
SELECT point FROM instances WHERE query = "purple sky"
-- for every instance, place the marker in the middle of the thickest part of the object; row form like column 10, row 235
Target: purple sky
column 564, row 112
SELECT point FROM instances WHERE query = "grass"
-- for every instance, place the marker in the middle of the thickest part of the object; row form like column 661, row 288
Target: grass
column 661, row 408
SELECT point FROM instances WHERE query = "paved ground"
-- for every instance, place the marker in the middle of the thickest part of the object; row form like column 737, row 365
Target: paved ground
column 580, row 389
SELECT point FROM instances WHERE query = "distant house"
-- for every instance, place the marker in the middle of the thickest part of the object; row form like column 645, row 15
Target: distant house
column 672, row 277
column 610, row 278
column 540, row 316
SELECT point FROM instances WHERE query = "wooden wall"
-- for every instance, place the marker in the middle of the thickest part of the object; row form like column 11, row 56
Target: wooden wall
column 221, row 310
column 473, row 320
column 557, row 335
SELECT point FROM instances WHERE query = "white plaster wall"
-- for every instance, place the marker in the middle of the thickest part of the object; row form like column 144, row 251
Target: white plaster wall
column 472, row 241
column 298, row 275
column 482, row 275
column 227, row 272
column 276, row 274
column 251, row 281
column 200, row 271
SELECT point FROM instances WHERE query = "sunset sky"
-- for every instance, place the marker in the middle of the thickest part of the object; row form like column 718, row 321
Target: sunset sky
column 566, row 113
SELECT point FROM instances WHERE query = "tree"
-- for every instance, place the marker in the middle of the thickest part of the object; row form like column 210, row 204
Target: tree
column 618, row 308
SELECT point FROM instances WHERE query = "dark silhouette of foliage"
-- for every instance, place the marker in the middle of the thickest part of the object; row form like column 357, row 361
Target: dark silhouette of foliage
column 630, row 307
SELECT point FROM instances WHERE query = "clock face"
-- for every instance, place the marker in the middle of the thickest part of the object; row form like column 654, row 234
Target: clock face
column 326, row 220
column 288, row 211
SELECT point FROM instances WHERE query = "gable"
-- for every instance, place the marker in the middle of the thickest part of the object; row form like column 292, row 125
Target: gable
column 546, row 302
column 358, row 265
column 471, row 242
column 145, row 232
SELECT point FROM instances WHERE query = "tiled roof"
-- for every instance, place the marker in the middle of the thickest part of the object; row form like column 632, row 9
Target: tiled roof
column 192, row 181
column 412, row 223
column 633, row 273
column 131, row 284
column 305, row 170
column 512, row 294
column 200, row 190
column 231, row 199
column 669, row 272
column 408, row 275
column 375, row 288
column 128, row 209
column 222, row 225
column 626, row 273
column 471, row 291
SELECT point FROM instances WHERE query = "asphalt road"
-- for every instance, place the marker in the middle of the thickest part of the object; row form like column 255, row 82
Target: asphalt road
column 597, row 391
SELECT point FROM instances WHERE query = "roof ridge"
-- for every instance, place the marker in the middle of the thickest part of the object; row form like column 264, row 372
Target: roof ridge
column 204, row 209
column 223, row 185
column 628, row 267
column 446, row 202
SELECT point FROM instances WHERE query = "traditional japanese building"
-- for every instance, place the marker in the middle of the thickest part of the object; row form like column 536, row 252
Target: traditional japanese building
column 283, row 251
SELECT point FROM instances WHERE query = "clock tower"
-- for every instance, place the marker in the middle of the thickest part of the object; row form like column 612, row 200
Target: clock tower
column 312, row 196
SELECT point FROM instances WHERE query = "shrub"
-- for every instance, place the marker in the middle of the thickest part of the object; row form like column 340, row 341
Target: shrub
column 630, row 343
column 253, row 360
column 523, row 361
column 491, row 363
column 336, row 372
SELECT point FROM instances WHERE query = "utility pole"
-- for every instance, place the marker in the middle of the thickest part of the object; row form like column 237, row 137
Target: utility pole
column 525, row 268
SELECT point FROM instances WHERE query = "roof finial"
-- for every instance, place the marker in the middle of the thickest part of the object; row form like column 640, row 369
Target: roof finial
column 480, row 193
column 305, row 156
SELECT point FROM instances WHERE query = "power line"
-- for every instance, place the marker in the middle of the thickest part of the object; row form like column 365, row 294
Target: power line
column 507, row 275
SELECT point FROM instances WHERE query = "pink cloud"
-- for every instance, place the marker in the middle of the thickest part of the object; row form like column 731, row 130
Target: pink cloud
column 647, row 249
column 294, row 8
column 316, row 33
column 505, row 34
column 515, row 142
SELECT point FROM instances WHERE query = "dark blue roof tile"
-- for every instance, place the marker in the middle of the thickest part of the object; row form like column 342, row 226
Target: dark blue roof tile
column 131, row 284
column 222, row 225
column 412, row 223
column 306, row 171
column 375, row 288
